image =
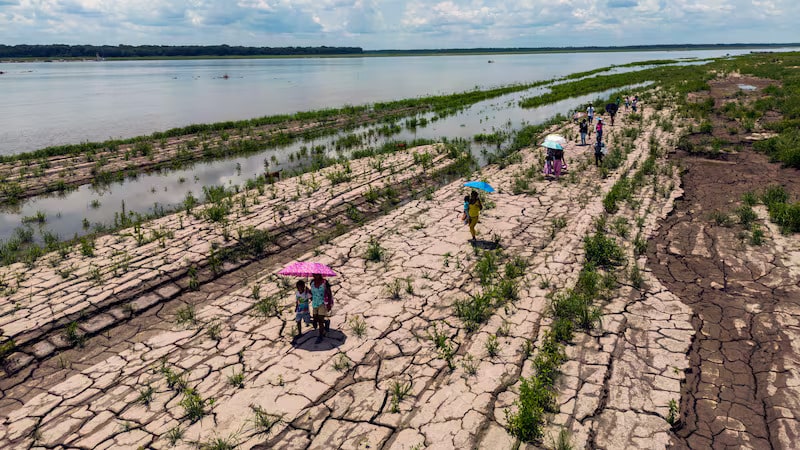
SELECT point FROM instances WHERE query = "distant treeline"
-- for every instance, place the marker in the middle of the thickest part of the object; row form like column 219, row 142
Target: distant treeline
column 581, row 49
column 56, row 51
column 144, row 51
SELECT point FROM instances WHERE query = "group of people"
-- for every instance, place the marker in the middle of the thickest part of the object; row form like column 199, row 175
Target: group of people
column 317, row 298
column 314, row 303
column 631, row 102
column 583, row 128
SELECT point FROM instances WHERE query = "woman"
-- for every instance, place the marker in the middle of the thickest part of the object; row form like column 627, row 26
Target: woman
column 584, row 129
column 475, row 207
column 321, row 304
column 599, row 129
column 558, row 162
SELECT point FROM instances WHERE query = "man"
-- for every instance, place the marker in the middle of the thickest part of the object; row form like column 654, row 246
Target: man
column 590, row 113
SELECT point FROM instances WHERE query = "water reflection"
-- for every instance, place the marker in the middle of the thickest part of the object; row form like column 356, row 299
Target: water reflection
column 70, row 213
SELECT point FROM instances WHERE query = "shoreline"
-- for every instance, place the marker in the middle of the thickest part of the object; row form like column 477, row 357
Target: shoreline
column 411, row 53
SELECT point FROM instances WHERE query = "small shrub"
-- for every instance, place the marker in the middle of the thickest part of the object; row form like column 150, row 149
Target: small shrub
column 672, row 416
column 146, row 395
column 73, row 335
column 621, row 227
column 487, row 267
column 267, row 307
column 562, row 442
column 639, row 245
column 371, row 195
column 746, row 215
column 515, row 268
column 87, row 247
column 469, row 365
column 236, row 379
column 602, row 251
column 194, row 405
column 374, row 250
column 492, row 346
column 773, row 195
column 174, row 435
column 263, row 421
column 787, row 216
column 721, row 219
column 756, row 235
column 219, row 443
column 359, row 326
column 185, row 315
column 394, row 288
column 214, row 330
column 636, row 277
column 475, row 310
column 342, row 362
column 750, row 198
column 399, row 391
column 175, row 381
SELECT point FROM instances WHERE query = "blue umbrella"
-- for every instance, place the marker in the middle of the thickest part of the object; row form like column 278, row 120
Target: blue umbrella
column 482, row 185
column 552, row 144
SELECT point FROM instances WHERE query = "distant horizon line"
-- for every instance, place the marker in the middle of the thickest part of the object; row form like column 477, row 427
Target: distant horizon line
column 549, row 47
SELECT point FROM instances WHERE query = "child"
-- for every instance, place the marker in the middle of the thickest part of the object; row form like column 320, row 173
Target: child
column 599, row 152
column 465, row 216
column 301, row 308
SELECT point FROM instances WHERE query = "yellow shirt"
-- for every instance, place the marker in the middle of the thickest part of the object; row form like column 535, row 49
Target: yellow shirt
column 474, row 209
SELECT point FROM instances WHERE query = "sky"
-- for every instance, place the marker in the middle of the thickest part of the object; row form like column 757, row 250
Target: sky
column 398, row 24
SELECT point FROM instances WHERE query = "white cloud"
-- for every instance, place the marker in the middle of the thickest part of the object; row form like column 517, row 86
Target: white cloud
column 397, row 23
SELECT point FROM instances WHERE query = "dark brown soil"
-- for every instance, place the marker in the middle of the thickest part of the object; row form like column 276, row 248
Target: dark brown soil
column 729, row 397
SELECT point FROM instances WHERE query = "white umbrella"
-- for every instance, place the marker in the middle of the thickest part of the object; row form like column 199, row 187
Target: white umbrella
column 556, row 138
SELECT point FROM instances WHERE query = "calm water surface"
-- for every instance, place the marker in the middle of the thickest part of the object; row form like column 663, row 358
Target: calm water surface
column 58, row 103
column 69, row 102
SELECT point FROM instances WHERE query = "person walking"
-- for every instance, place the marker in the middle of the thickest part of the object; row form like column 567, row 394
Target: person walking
column 599, row 129
column 584, row 129
column 558, row 161
column 599, row 152
column 301, row 307
column 321, row 304
column 475, row 207
column 633, row 104
column 590, row 113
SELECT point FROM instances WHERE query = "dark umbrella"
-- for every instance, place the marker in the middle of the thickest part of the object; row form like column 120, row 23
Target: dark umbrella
column 612, row 108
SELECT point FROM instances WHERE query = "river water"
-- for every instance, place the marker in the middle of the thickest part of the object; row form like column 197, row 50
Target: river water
column 59, row 103
column 83, row 101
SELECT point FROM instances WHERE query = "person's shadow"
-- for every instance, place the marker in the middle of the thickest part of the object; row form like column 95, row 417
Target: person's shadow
column 308, row 341
column 484, row 245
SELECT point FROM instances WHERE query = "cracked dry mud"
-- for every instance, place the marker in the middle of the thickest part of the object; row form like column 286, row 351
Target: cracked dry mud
column 614, row 391
column 744, row 385
column 131, row 270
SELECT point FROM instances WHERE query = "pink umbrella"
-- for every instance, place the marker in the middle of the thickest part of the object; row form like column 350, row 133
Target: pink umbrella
column 306, row 269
